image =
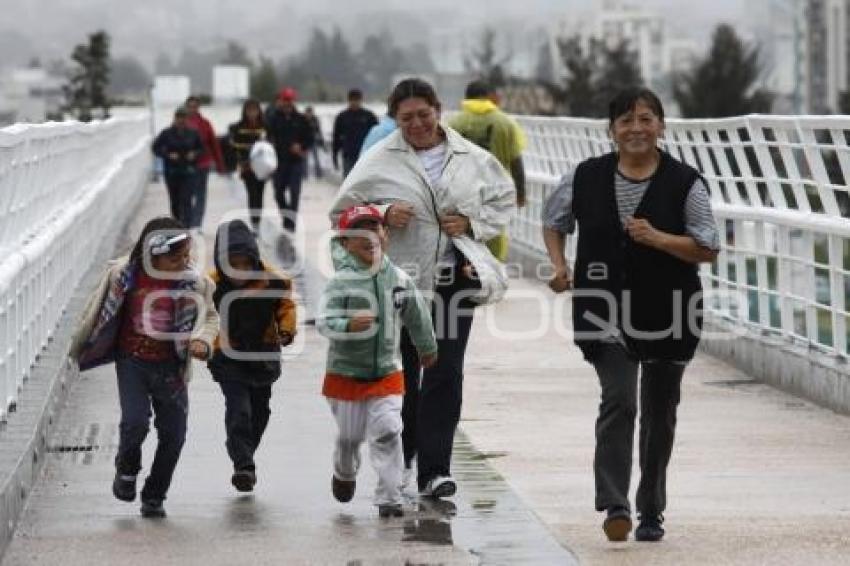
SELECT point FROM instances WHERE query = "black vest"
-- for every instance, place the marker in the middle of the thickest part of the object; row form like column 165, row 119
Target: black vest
column 644, row 293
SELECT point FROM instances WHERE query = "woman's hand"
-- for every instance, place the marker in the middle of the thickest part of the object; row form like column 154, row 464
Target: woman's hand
column 428, row 360
column 455, row 224
column 562, row 280
column 399, row 214
column 199, row 350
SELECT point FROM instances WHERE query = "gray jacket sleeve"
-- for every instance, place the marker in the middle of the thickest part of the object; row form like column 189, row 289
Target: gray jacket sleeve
column 416, row 315
column 558, row 208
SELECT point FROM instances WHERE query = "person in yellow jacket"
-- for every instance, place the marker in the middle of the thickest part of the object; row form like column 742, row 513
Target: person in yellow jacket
column 481, row 122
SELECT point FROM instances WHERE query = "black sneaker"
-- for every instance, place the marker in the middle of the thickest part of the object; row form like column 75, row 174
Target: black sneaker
column 244, row 480
column 343, row 490
column 152, row 509
column 390, row 510
column 618, row 524
column 124, row 487
column 650, row 529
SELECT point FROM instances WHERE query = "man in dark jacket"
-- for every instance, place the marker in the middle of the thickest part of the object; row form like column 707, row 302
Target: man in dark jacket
column 179, row 147
column 350, row 129
column 291, row 134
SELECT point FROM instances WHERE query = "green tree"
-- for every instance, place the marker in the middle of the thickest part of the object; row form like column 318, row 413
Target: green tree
column 595, row 73
column 89, row 79
column 236, row 54
column 128, row 77
column 724, row 82
column 483, row 60
column 264, row 83
column 618, row 69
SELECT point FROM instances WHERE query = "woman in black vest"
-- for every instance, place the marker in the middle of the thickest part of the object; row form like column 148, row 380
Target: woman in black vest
column 645, row 223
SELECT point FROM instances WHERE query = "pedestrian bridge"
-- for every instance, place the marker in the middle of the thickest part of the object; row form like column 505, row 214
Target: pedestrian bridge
column 71, row 195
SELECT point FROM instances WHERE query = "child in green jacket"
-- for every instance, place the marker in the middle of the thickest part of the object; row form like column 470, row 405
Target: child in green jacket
column 362, row 311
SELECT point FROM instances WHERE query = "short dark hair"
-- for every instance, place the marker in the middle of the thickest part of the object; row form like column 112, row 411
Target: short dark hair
column 627, row 99
column 158, row 224
column 412, row 88
column 478, row 88
column 195, row 99
column 355, row 94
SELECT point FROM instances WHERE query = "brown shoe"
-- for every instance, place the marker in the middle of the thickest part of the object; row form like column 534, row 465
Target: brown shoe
column 343, row 490
column 618, row 524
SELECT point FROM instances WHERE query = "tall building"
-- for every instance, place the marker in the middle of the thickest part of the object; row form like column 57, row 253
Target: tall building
column 645, row 31
column 827, row 54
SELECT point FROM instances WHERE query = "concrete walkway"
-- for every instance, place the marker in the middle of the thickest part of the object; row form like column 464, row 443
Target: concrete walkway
column 757, row 477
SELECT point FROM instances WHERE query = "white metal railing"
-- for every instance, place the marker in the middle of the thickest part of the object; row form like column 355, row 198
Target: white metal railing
column 779, row 189
column 64, row 187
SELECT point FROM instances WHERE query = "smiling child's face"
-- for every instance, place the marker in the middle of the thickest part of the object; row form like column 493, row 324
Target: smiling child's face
column 366, row 247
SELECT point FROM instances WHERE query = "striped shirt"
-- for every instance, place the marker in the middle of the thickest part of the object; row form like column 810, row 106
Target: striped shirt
column 699, row 219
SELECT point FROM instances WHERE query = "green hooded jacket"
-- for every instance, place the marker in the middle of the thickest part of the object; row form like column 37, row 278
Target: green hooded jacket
column 389, row 293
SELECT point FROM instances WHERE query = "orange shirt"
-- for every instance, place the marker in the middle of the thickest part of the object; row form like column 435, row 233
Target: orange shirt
column 346, row 388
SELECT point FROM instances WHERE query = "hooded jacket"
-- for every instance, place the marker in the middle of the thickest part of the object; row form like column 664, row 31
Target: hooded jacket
column 254, row 317
column 96, row 338
column 474, row 184
column 387, row 291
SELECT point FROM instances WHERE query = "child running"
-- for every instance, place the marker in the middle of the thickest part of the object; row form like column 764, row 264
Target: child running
column 361, row 313
column 257, row 319
column 151, row 314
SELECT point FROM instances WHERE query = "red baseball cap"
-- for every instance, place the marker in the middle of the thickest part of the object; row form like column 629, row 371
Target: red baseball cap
column 288, row 94
column 354, row 214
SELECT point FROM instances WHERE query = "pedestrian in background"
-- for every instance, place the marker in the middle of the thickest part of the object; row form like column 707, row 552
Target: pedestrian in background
column 212, row 156
column 151, row 313
column 350, row 129
column 481, row 122
column 318, row 142
column 242, row 136
column 292, row 137
column 179, row 147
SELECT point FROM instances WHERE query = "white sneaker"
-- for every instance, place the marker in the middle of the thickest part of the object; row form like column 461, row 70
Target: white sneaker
column 440, row 486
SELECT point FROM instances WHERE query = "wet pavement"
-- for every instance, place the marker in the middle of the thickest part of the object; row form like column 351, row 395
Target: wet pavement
column 757, row 476
column 291, row 518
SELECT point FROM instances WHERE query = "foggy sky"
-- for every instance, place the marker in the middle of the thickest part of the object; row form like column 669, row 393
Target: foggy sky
column 49, row 29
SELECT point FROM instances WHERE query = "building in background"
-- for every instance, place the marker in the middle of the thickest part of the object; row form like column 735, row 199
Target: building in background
column 231, row 84
column 827, row 45
column 30, row 95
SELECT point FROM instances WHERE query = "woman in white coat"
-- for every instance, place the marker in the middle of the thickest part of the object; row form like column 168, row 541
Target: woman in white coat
column 443, row 197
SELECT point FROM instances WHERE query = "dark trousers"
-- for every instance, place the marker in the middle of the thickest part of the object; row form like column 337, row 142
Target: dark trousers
column 198, row 206
column 432, row 405
column 660, row 388
column 287, row 190
column 141, row 385
column 180, row 189
column 255, row 189
column 348, row 164
column 313, row 155
column 246, row 416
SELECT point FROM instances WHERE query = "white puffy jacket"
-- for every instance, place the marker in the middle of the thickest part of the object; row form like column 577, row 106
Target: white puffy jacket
column 473, row 183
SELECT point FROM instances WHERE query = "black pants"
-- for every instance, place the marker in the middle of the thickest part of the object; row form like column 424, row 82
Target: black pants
column 246, row 416
column 140, row 385
column 181, row 189
column 255, row 189
column 287, row 180
column 660, row 389
column 431, row 409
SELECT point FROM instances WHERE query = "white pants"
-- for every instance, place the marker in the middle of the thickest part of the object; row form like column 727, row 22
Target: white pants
column 378, row 421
